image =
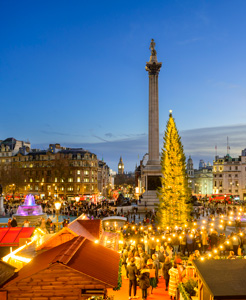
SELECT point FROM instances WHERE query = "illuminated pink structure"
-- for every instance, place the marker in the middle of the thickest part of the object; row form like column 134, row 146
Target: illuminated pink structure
column 30, row 211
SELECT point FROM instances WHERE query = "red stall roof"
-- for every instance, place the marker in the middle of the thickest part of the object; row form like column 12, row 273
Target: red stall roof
column 9, row 237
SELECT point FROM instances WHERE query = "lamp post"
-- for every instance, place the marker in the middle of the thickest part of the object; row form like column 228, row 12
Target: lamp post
column 57, row 206
column 77, row 201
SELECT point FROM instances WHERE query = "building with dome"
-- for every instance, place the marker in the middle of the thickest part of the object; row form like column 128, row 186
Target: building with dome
column 200, row 180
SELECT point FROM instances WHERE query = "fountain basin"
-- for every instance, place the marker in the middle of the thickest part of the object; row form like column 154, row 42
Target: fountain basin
column 29, row 211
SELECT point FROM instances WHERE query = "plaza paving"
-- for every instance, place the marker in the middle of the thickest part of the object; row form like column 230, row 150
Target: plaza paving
column 122, row 294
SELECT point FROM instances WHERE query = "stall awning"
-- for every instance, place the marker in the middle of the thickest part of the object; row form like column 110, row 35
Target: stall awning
column 9, row 237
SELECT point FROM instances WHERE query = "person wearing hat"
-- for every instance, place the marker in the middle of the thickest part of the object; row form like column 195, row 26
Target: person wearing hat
column 132, row 274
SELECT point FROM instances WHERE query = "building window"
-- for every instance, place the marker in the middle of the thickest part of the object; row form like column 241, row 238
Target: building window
column 236, row 175
column 55, row 179
column 78, row 179
column 86, row 179
column 229, row 175
column 78, row 172
column 70, row 179
column 236, row 168
column 70, row 188
column 42, row 179
column 30, row 179
column 229, row 191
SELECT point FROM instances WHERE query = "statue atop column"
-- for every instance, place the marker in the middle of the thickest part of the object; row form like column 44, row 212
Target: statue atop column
column 152, row 48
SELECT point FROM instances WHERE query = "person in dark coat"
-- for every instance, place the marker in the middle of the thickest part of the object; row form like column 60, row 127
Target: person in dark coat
column 144, row 283
column 132, row 274
column 13, row 222
column 166, row 267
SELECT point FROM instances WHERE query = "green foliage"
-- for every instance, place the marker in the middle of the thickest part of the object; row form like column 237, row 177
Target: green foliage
column 173, row 208
column 119, row 277
column 184, row 293
column 190, row 286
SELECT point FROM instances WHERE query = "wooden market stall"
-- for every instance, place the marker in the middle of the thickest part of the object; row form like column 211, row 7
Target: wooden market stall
column 77, row 269
column 221, row 279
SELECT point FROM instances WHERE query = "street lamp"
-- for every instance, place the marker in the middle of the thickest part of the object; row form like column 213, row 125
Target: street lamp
column 77, row 200
column 57, row 206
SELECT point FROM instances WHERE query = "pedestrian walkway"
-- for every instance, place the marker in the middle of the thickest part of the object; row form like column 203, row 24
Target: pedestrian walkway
column 158, row 293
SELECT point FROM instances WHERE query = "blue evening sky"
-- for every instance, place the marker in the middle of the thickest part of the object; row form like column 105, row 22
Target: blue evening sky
column 73, row 72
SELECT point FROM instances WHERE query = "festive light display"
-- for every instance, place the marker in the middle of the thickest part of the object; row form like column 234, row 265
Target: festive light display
column 173, row 209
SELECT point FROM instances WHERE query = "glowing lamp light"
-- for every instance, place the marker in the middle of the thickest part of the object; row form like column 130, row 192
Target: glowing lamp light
column 133, row 227
column 227, row 242
column 174, row 235
column 141, row 228
column 57, row 205
column 241, row 233
column 149, row 227
column 215, row 251
column 185, row 225
column 221, row 247
column 96, row 241
column 152, row 239
column 167, row 227
column 202, row 258
column 220, row 226
column 229, row 222
column 163, row 237
column 209, row 254
column 234, row 238
column 203, row 221
column 158, row 240
column 180, row 237
column 108, row 223
column 142, row 240
column 169, row 239
column 158, row 228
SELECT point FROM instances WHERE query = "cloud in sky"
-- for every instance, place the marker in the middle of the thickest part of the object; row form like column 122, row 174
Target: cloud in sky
column 198, row 143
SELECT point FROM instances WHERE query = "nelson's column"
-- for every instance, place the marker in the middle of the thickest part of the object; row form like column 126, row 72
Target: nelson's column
column 152, row 170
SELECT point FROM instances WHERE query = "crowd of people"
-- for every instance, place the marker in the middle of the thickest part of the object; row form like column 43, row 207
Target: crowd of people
column 144, row 270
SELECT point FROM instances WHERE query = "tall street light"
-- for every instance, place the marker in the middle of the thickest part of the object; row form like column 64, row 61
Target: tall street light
column 58, row 207
column 77, row 201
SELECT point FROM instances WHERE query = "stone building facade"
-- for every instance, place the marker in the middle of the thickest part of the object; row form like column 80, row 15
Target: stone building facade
column 229, row 175
column 57, row 172
column 200, row 180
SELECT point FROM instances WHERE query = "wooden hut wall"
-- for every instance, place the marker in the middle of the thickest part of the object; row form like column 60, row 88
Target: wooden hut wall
column 56, row 282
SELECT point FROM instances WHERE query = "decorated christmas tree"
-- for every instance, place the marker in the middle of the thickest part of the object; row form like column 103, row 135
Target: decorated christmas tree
column 173, row 209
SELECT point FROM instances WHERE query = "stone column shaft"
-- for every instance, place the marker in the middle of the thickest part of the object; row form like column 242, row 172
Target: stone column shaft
column 153, row 120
